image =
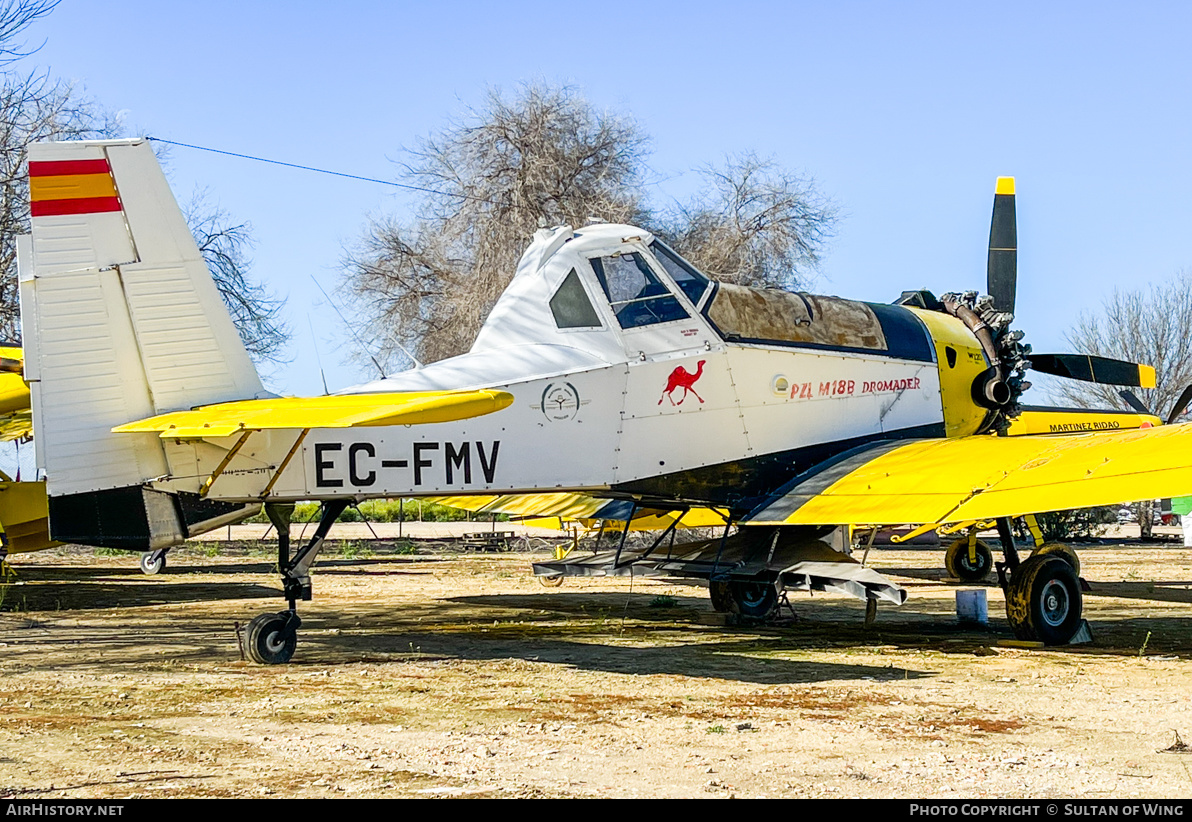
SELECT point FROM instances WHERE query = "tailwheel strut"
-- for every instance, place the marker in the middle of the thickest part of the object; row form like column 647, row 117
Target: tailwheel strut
column 270, row 639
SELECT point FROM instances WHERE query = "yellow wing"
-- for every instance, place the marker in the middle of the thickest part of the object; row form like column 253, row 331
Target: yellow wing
column 344, row 411
column 984, row 477
column 16, row 421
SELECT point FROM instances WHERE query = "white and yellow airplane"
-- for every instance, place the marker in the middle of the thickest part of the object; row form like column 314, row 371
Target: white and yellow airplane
column 610, row 369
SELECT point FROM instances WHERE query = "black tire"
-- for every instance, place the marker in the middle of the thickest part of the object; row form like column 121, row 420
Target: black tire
column 958, row 564
column 758, row 600
column 722, row 597
column 150, row 566
column 1043, row 600
column 267, row 641
column 1058, row 549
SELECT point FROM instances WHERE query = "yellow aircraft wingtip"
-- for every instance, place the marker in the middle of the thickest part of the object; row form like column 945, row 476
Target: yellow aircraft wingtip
column 1005, row 185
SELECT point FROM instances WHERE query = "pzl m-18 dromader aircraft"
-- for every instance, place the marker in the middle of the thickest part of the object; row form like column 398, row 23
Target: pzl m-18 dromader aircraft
column 610, row 368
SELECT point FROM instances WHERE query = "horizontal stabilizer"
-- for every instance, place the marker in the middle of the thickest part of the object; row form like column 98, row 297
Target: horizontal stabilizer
column 413, row 408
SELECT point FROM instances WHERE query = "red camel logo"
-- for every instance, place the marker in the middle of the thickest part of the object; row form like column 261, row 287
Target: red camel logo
column 682, row 378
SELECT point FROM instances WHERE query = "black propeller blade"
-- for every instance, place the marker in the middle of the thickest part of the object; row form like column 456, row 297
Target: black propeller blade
column 1100, row 370
column 1135, row 403
column 1001, row 279
column 1176, row 410
column 1180, row 405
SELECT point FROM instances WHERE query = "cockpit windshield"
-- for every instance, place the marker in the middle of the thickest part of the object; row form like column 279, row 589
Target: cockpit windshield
column 692, row 282
column 636, row 294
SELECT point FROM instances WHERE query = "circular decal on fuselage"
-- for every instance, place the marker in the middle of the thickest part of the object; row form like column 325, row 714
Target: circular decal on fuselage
column 560, row 401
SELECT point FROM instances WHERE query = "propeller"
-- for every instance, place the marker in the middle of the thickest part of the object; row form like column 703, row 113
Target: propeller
column 989, row 318
column 1135, row 403
column 1101, row 370
column 1001, row 278
column 1180, row 405
column 1001, row 284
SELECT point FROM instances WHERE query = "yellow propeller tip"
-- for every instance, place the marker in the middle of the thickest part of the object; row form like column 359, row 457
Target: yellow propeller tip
column 1005, row 185
column 1146, row 376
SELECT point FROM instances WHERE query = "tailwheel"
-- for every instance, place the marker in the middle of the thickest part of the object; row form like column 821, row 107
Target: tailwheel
column 1058, row 549
column 959, row 563
column 758, row 600
column 1043, row 600
column 153, row 562
column 270, row 639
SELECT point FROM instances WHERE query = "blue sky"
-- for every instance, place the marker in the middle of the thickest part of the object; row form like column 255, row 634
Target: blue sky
column 904, row 113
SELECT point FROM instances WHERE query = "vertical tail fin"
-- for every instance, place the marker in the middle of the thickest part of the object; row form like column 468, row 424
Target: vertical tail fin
column 120, row 320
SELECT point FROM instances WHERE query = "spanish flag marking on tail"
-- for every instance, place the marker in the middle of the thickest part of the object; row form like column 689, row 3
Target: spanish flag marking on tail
column 71, row 187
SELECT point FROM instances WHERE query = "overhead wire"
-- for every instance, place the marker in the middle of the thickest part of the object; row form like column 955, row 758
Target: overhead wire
column 317, row 170
column 333, row 173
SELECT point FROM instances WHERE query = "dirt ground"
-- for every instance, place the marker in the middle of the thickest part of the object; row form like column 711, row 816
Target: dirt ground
column 459, row 675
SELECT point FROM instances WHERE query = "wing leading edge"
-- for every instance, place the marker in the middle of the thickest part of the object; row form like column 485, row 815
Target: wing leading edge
column 985, row 477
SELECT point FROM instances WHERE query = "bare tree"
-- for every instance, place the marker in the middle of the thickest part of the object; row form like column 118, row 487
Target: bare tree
column 544, row 158
column 758, row 224
column 36, row 107
column 1151, row 326
column 225, row 247
column 547, row 157
column 15, row 17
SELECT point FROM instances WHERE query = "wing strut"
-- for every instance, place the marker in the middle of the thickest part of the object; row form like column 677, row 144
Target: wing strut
column 284, row 463
column 219, row 469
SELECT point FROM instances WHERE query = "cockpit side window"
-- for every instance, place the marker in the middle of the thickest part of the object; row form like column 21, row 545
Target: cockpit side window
column 685, row 275
column 636, row 294
column 570, row 305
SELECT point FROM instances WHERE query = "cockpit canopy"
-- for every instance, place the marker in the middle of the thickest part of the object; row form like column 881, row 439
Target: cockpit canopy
column 611, row 289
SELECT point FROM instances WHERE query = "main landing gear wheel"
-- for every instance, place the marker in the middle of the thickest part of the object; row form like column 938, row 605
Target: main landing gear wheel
column 153, row 562
column 550, row 582
column 958, row 563
column 722, row 598
column 270, row 639
column 758, row 600
column 1043, row 600
column 1058, row 549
